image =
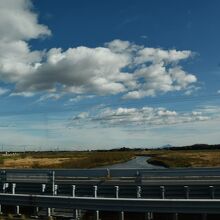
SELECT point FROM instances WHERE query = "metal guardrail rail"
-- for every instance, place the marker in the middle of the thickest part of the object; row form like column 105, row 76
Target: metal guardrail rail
column 45, row 175
column 123, row 190
column 115, row 204
column 61, row 181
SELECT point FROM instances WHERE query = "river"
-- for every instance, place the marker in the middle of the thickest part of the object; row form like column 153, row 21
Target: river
column 137, row 162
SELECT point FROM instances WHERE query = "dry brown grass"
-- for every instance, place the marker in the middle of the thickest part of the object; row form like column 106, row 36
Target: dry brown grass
column 30, row 162
column 186, row 158
column 65, row 160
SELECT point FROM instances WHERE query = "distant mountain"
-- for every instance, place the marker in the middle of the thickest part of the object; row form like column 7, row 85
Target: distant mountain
column 196, row 147
column 166, row 146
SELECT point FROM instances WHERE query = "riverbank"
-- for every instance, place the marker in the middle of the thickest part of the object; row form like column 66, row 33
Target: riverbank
column 122, row 159
column 184, row 158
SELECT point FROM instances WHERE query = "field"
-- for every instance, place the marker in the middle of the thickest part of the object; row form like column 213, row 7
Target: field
column 91, row 159
column 63, row 159
column 184, row 158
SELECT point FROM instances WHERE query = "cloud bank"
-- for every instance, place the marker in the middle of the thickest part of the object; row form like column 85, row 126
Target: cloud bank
column 146, row 116
column 118, row 67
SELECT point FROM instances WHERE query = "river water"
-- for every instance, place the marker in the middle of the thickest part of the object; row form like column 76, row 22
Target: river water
column 137, row 162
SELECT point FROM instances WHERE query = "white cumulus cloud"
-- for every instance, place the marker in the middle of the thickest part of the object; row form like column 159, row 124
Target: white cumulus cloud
column 118, row 67
column 18, row 24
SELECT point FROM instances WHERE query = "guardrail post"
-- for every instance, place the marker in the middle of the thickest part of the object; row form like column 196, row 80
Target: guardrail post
column 139, row 192
column 53, row 182
column 95, row 195
column 43, row 188
column 108, row 173
column 95, row 191
column 97, row 215
column 73, row 190
column 13, row 188
column 138, row 177
column 212, row 192
column 48, row 209
column 122, row 216
column 55, row 189
column 76, row 214
column 148, row 216
column 48, row 212
column 13, row 192
column 18, row 210
column 75, row 211
column 186, row 192
column 162, row 188
column 36, row 212
column 116, row 191
column 5, row 186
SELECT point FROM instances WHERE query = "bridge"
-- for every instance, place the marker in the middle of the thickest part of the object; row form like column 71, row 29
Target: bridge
column 148, row 191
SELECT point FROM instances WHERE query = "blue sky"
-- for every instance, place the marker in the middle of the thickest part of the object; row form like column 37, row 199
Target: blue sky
column 105, row 74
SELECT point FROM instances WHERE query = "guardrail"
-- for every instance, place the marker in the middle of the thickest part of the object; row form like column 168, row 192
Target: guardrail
column 45, row 175
column 122, row 191
column 140, row 197
column 114, row 204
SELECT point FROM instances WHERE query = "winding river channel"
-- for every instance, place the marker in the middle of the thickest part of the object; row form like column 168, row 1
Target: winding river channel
column 137, row 162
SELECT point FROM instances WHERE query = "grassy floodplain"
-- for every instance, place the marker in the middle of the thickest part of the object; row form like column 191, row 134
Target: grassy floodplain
column 77, row 159
column 184, row 158
column 189, row 156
